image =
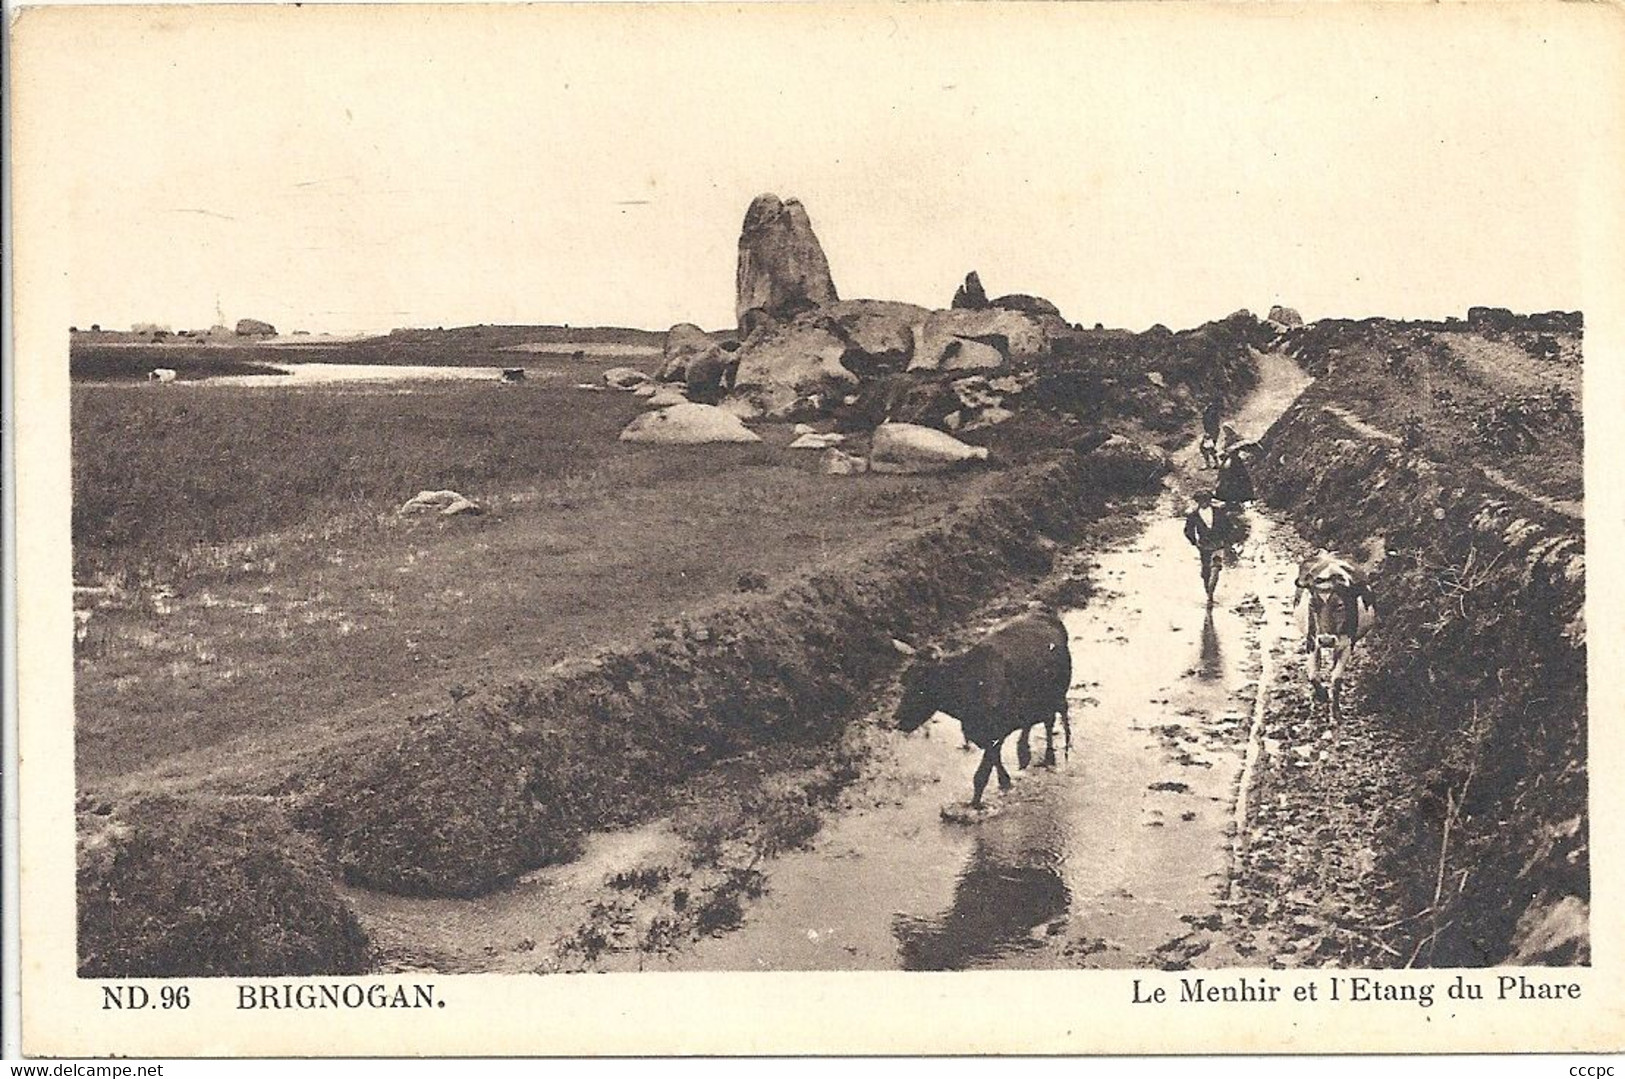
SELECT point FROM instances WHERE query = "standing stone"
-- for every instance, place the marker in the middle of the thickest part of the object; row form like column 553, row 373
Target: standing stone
column 971, row 296
column 782, row 268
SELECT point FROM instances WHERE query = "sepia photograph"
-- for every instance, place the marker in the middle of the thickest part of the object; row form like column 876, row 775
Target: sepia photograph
column 520, row 493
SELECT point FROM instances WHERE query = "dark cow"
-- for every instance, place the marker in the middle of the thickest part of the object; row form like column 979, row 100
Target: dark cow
column 513, row 374
column 1334, row 609
column 1012, row 679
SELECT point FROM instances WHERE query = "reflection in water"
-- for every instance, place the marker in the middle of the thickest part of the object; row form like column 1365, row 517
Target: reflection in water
column 1212, row 666
column 1010, row 885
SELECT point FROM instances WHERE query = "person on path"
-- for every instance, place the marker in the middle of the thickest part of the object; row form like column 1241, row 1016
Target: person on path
column 1211, row 418
column 1235, row 485
column 1204, row 528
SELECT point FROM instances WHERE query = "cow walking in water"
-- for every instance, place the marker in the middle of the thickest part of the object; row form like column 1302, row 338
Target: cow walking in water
column 1012, row 679
column 1334, row 609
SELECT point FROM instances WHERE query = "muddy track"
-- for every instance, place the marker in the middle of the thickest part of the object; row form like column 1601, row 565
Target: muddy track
column 1121, row 856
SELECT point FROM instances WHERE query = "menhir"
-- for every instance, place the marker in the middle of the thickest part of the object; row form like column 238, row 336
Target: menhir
column 782, row 269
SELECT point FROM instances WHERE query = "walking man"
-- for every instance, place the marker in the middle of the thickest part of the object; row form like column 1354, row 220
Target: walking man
column 1205, row 531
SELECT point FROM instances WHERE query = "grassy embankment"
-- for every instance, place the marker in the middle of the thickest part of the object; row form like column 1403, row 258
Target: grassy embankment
column 1472, row 692
column 486, row 783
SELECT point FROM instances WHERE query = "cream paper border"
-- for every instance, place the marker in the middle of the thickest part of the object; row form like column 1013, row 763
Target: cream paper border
column 668, row 1013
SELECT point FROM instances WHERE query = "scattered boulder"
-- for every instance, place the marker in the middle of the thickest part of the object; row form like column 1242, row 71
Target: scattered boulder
column 513, row 374
column 646, row 390
column 253, row 327
column 910, row 448
column 444, row 503
column 989, row 417
column 970, row 296
column 688, row 424
column 782, row 268
column 957, row 340
column 666, row 396
column 625, row 378
column 684, row 341
column 818, row 442
column 1285, row 316
column 838, row 463
column 1008, row 384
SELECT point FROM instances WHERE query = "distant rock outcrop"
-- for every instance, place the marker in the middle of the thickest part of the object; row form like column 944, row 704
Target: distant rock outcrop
column 782, row 268
column 688, row 425
column 1285, row 316
column 970, row 296
column 253, row 327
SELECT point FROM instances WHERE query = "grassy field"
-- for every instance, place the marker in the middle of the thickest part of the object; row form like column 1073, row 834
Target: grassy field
column 267, row 594
column 159, row 471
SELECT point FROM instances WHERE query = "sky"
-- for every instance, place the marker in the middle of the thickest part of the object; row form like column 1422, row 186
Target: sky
column 354, row 168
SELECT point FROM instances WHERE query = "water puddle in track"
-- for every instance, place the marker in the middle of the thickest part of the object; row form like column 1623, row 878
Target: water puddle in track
column 1104, row 861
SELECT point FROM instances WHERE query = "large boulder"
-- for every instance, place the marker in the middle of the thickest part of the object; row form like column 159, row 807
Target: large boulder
column 908, row 447
column 782, row 268
column 684, row 341
column 709, row 375
column 1285, row 316
column 1031, row 305
column 970, row 296
column 962, row 340
column 253, row 327
column 788, row 370
column 688, row 425
column 879, row 333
